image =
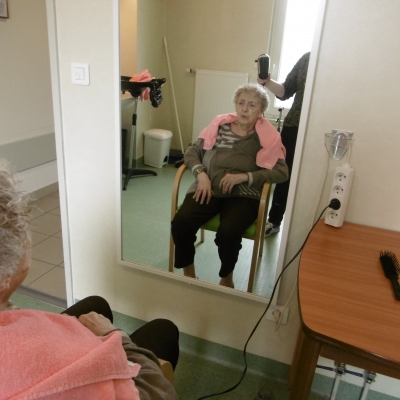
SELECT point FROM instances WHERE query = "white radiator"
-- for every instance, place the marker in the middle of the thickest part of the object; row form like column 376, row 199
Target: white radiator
column 213, row 95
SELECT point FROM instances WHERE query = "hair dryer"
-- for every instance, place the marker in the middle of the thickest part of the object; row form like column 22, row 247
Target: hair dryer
column 263, row 66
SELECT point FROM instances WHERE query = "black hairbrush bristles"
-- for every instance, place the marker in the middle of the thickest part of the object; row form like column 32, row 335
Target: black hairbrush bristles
column 391, row 267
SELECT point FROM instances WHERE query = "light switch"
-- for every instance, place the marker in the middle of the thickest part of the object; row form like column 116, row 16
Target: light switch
column 80, row 74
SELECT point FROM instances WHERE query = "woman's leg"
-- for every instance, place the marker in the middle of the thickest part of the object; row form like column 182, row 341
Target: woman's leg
column 91, row 303
column 160, row 336
column 187, row 221
column 237, row 214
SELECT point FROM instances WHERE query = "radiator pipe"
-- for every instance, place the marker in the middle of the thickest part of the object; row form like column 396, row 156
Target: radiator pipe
column 340, row 368
column 369, row 378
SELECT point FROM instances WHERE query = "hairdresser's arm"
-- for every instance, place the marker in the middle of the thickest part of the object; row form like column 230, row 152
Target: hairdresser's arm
column 275, row 87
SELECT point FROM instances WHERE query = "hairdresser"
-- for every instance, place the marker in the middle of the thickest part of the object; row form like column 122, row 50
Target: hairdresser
column 77, row 354
column 232, row 159
column 294, row 85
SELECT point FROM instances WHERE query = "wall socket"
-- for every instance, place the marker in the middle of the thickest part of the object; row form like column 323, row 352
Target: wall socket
column 340, row 190
column 274, row 312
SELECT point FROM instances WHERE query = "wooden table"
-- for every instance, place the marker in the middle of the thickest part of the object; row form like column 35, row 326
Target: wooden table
column 347, row 306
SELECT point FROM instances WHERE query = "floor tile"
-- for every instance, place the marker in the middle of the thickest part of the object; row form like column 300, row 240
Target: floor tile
column 56, row 211
column 38, row 269
column 53, row 282
column 34, row 213
column 49, row 251
column 49, row 224
column 46, row 203
column 38, row 237
column 58, row 235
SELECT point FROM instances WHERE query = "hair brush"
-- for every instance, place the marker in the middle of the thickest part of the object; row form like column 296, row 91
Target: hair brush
column 391, row 267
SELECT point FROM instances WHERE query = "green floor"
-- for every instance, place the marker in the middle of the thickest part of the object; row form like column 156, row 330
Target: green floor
column 146, row 216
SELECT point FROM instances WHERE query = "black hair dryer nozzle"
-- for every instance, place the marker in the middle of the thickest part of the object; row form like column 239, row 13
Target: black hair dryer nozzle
column 263, row 66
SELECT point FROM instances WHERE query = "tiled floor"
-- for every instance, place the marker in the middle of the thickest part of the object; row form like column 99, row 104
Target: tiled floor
column 47, row 269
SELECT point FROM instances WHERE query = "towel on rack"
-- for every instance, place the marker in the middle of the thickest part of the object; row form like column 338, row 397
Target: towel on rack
column 270, row 139
column 144, row 76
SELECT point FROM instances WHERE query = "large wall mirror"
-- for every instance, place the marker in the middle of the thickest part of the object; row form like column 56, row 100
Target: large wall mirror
column 226, row 35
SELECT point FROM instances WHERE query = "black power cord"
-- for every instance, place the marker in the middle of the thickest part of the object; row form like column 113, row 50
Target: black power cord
column 335, row 205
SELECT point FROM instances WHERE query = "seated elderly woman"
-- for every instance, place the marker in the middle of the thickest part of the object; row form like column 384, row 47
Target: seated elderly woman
column 232, row 159
column 77, row 354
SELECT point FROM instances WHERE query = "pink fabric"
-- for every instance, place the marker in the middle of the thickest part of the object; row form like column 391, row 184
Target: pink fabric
column 56, row 357
column 144, row 76
column 270, row 139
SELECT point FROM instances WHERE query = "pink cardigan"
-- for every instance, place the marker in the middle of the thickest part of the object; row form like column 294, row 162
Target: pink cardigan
column 56, row 357
column 270, row 139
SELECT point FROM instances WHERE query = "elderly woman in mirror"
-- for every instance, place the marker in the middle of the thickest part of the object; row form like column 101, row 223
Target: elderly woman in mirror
column 232, row 159
column 91, row 358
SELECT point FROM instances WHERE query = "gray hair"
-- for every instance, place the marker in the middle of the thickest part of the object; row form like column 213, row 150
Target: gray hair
column 14, row 223
column 256, row 89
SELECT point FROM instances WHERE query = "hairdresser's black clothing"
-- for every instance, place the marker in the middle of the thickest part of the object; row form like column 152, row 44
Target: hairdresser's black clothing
column 279, row 199
column 294, row 85
column 160, row 336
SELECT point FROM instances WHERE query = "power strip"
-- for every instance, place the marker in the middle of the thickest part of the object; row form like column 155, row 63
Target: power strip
column 340, row 190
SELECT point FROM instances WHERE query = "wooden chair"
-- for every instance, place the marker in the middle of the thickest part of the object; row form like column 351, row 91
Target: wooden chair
column 254, row 232
column 167, row 370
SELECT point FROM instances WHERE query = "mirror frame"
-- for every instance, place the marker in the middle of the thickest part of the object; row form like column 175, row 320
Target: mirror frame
column 294, row 177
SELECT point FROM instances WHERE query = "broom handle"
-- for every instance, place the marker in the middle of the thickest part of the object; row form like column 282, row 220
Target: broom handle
column 173, row 94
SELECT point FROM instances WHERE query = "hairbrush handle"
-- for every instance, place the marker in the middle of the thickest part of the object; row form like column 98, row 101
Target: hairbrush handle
column 396, row 287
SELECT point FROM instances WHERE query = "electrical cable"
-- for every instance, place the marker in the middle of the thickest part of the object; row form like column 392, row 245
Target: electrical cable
column 335, row 204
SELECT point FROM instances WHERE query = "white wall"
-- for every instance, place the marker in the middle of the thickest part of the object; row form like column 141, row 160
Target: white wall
column 356, row 89
column 347, row 86
column 26, row 109
column 141, row 41
column 224, row 35
column 26, row 105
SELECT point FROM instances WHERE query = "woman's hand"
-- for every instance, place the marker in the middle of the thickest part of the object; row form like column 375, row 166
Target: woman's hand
column 204, row 191
column 230, row 180
column 96, row 323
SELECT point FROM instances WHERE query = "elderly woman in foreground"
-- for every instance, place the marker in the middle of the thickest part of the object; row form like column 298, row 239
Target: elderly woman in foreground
column 77, row 354
column 232, row 159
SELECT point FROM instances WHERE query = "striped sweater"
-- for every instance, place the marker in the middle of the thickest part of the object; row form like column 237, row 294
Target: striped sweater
column 236, row 154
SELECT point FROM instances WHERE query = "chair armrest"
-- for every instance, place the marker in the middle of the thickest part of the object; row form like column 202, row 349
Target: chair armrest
column 175, row 189
column 263, row 209
column 167, row 370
